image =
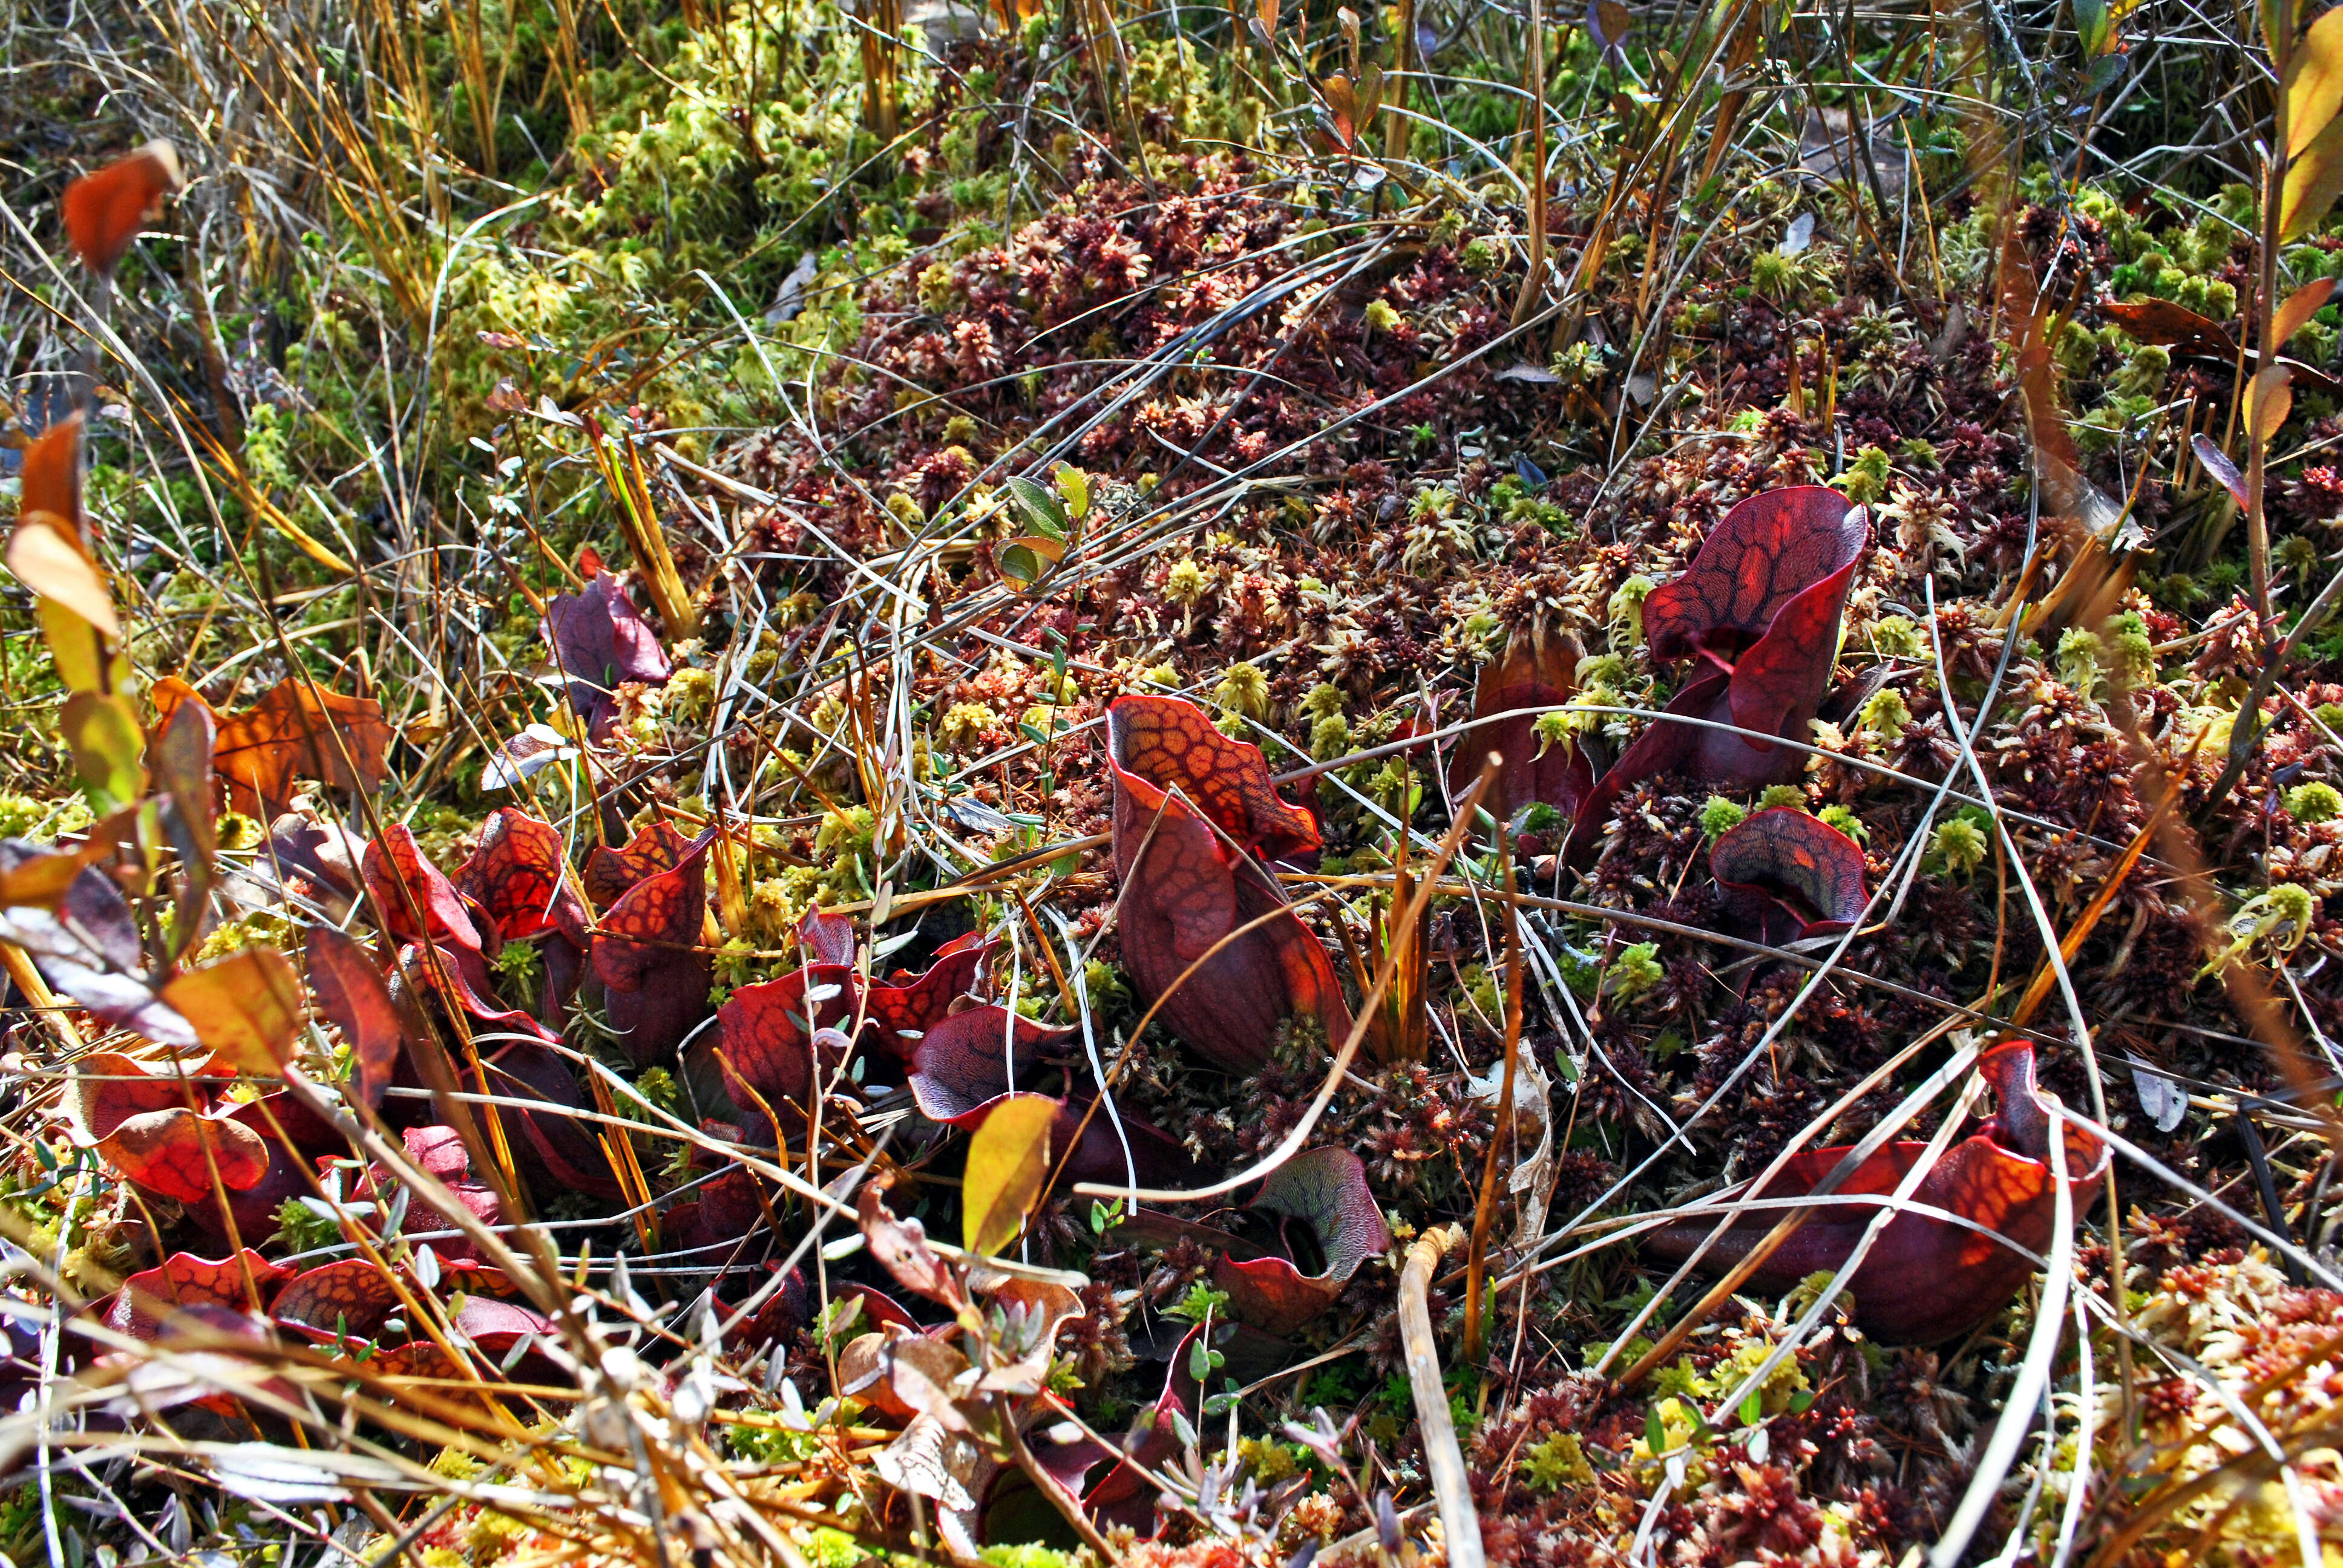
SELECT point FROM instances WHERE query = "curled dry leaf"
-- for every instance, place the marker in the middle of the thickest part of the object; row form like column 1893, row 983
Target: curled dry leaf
column 147, row 1127
column 598, row 640
column 1925, row 1279
column 297, row 730
column 900, row 1247
column 1790, row 875
column 104, row 211
column 1179, row 786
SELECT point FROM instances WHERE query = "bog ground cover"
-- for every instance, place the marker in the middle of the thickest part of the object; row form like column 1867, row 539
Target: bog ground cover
column 1201, row 787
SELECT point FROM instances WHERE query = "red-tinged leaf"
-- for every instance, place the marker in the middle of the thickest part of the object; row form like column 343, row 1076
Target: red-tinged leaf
column 247, row 1009
column 652, row 922
column 1008, row 1162
column 767, row 1052
column 1608, row 23
column 598, row 640
column 900, row 1247
column 440, row 1152
column 90, row 949
column 2160, row 321
column 354, row 1296
column 1537, row 671
column 145, row 1126
column 32, row 876
column 965, row 1060
column 183, row 1282
column 565, row 1146
column 495, row 1326
column 251, row 1212
column 416, row 900
column 519, row 876
column 352, row 996
column 827, row 938
column 610, row 872
column 295, row 731
column 104, row 211
column 1185, row 888
column 902, row 1012
column 1925, row 1280
column 50, row 475
column 2299, row 308
column 2217, row 463
column 1326, row 1190
column 1790, row 874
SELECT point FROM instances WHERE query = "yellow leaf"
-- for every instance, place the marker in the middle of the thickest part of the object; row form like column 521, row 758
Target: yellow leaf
column 247, row 1009
column 2269, row 400
column 106, row 741
column 2314, row 178
column 2314, row 82
column 45, row 559
column 1008, row 1161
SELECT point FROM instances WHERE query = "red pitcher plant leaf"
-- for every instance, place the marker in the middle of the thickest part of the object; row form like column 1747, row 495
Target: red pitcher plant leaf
column 1790, row 874
column 769, row 1029
column 350, row 1296
column 145, row 1126
column 907, row 1006
column 564, row 1144
column 1323, row 1191
column 960, row 1071
column 439, row 1152
column 416, row 900
column 600, row 640
column 353, row 998
column 1538, row 671
column 827, row 938
column 1762, row 601
column 104, row 211
column 1177, row 780
column 519, row 877
column 1925, row 1279
column 610, row 872
column 184, row 1281
column 289, row 734
column 647, row 951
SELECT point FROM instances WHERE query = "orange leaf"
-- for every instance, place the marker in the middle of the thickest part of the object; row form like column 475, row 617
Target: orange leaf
column 291, row 733
column 247, row 1009
column 2300, row 305
column 104, row 211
